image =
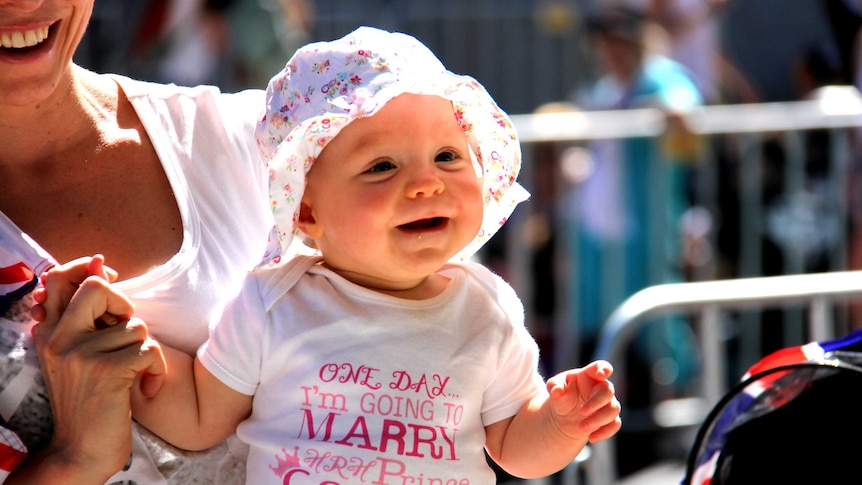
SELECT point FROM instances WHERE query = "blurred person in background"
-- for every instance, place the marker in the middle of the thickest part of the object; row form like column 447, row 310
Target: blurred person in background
column 233, row 44
column 693, row 31
column 626, row 210
column 264, row 35
column 612, row 203
column 845, row 20
column 694, row 40
column 183, row 41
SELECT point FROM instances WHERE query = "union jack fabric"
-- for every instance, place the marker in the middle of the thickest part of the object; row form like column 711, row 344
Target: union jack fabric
column 768, row 385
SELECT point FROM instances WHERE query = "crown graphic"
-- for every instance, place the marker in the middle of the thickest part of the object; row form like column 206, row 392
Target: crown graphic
column 285, row 464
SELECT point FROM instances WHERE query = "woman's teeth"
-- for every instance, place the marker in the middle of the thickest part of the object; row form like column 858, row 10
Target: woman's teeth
column 20, row 40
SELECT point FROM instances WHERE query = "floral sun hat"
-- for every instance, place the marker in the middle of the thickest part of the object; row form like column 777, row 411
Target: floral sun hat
column 326, row 85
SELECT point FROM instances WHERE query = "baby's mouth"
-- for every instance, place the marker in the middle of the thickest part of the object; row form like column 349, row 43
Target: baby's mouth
column 23, row 42
column 424, row 224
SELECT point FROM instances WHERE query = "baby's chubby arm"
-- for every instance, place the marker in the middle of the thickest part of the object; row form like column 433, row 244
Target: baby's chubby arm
column 550, row 430
column 193, row 410
column 175, row 396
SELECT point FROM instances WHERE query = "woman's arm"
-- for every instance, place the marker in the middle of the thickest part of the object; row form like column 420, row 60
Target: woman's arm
column 88, row 374
column 88, row 381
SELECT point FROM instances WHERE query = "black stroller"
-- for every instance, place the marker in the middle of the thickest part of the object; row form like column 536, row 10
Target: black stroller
column 795, row 417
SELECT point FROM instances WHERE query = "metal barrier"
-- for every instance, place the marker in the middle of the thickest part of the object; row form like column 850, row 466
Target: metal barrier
column 818, row 292
column 710, row 290
column 746, row 129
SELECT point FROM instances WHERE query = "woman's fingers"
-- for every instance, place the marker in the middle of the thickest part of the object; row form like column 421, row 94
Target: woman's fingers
column 89, row 372
column 97, row 267
column 93, row 299
column 131, row 357
column 121, row 350
column 89, row 382
column 58, row 286
column 61, row 282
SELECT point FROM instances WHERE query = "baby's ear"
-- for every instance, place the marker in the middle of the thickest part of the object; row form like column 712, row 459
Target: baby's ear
column 306, row 221
column 474, row 159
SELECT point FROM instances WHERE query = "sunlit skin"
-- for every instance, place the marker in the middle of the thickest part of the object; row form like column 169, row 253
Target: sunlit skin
column 71, row 136
column 33, row 74
column 394, row 196
column 70, row 147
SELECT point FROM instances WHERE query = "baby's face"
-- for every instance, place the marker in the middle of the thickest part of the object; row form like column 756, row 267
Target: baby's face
column 394, row 196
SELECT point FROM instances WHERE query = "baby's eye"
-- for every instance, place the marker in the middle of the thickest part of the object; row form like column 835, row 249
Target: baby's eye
column 382, row 166
column 446, row 156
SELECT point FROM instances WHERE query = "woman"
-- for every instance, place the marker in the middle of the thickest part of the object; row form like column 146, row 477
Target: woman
column 166, row 183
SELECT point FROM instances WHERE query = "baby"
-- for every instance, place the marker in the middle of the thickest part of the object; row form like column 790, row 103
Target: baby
column 387, row 356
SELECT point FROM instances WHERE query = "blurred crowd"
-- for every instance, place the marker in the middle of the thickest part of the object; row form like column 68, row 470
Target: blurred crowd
column 242, row 43
column 234, row 44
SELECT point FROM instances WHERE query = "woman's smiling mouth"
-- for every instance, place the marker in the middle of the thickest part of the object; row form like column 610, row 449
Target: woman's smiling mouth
column 23, row 39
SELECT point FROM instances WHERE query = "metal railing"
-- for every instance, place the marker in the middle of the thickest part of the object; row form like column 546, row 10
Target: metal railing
column 707, row 294
column 817, row 292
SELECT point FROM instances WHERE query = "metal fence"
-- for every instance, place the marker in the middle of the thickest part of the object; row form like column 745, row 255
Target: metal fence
column 771, row 193
column 709, row 303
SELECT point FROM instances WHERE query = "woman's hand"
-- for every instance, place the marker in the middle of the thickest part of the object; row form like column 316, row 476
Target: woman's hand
column 89, row 370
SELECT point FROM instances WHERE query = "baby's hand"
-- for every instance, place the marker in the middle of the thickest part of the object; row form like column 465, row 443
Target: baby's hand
column 583, row 402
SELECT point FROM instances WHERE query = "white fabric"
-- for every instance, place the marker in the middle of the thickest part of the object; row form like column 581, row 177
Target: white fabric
column 205, row 142
column 354, row 386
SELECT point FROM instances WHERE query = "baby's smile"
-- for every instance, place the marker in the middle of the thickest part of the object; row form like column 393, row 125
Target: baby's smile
column 422, row 224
